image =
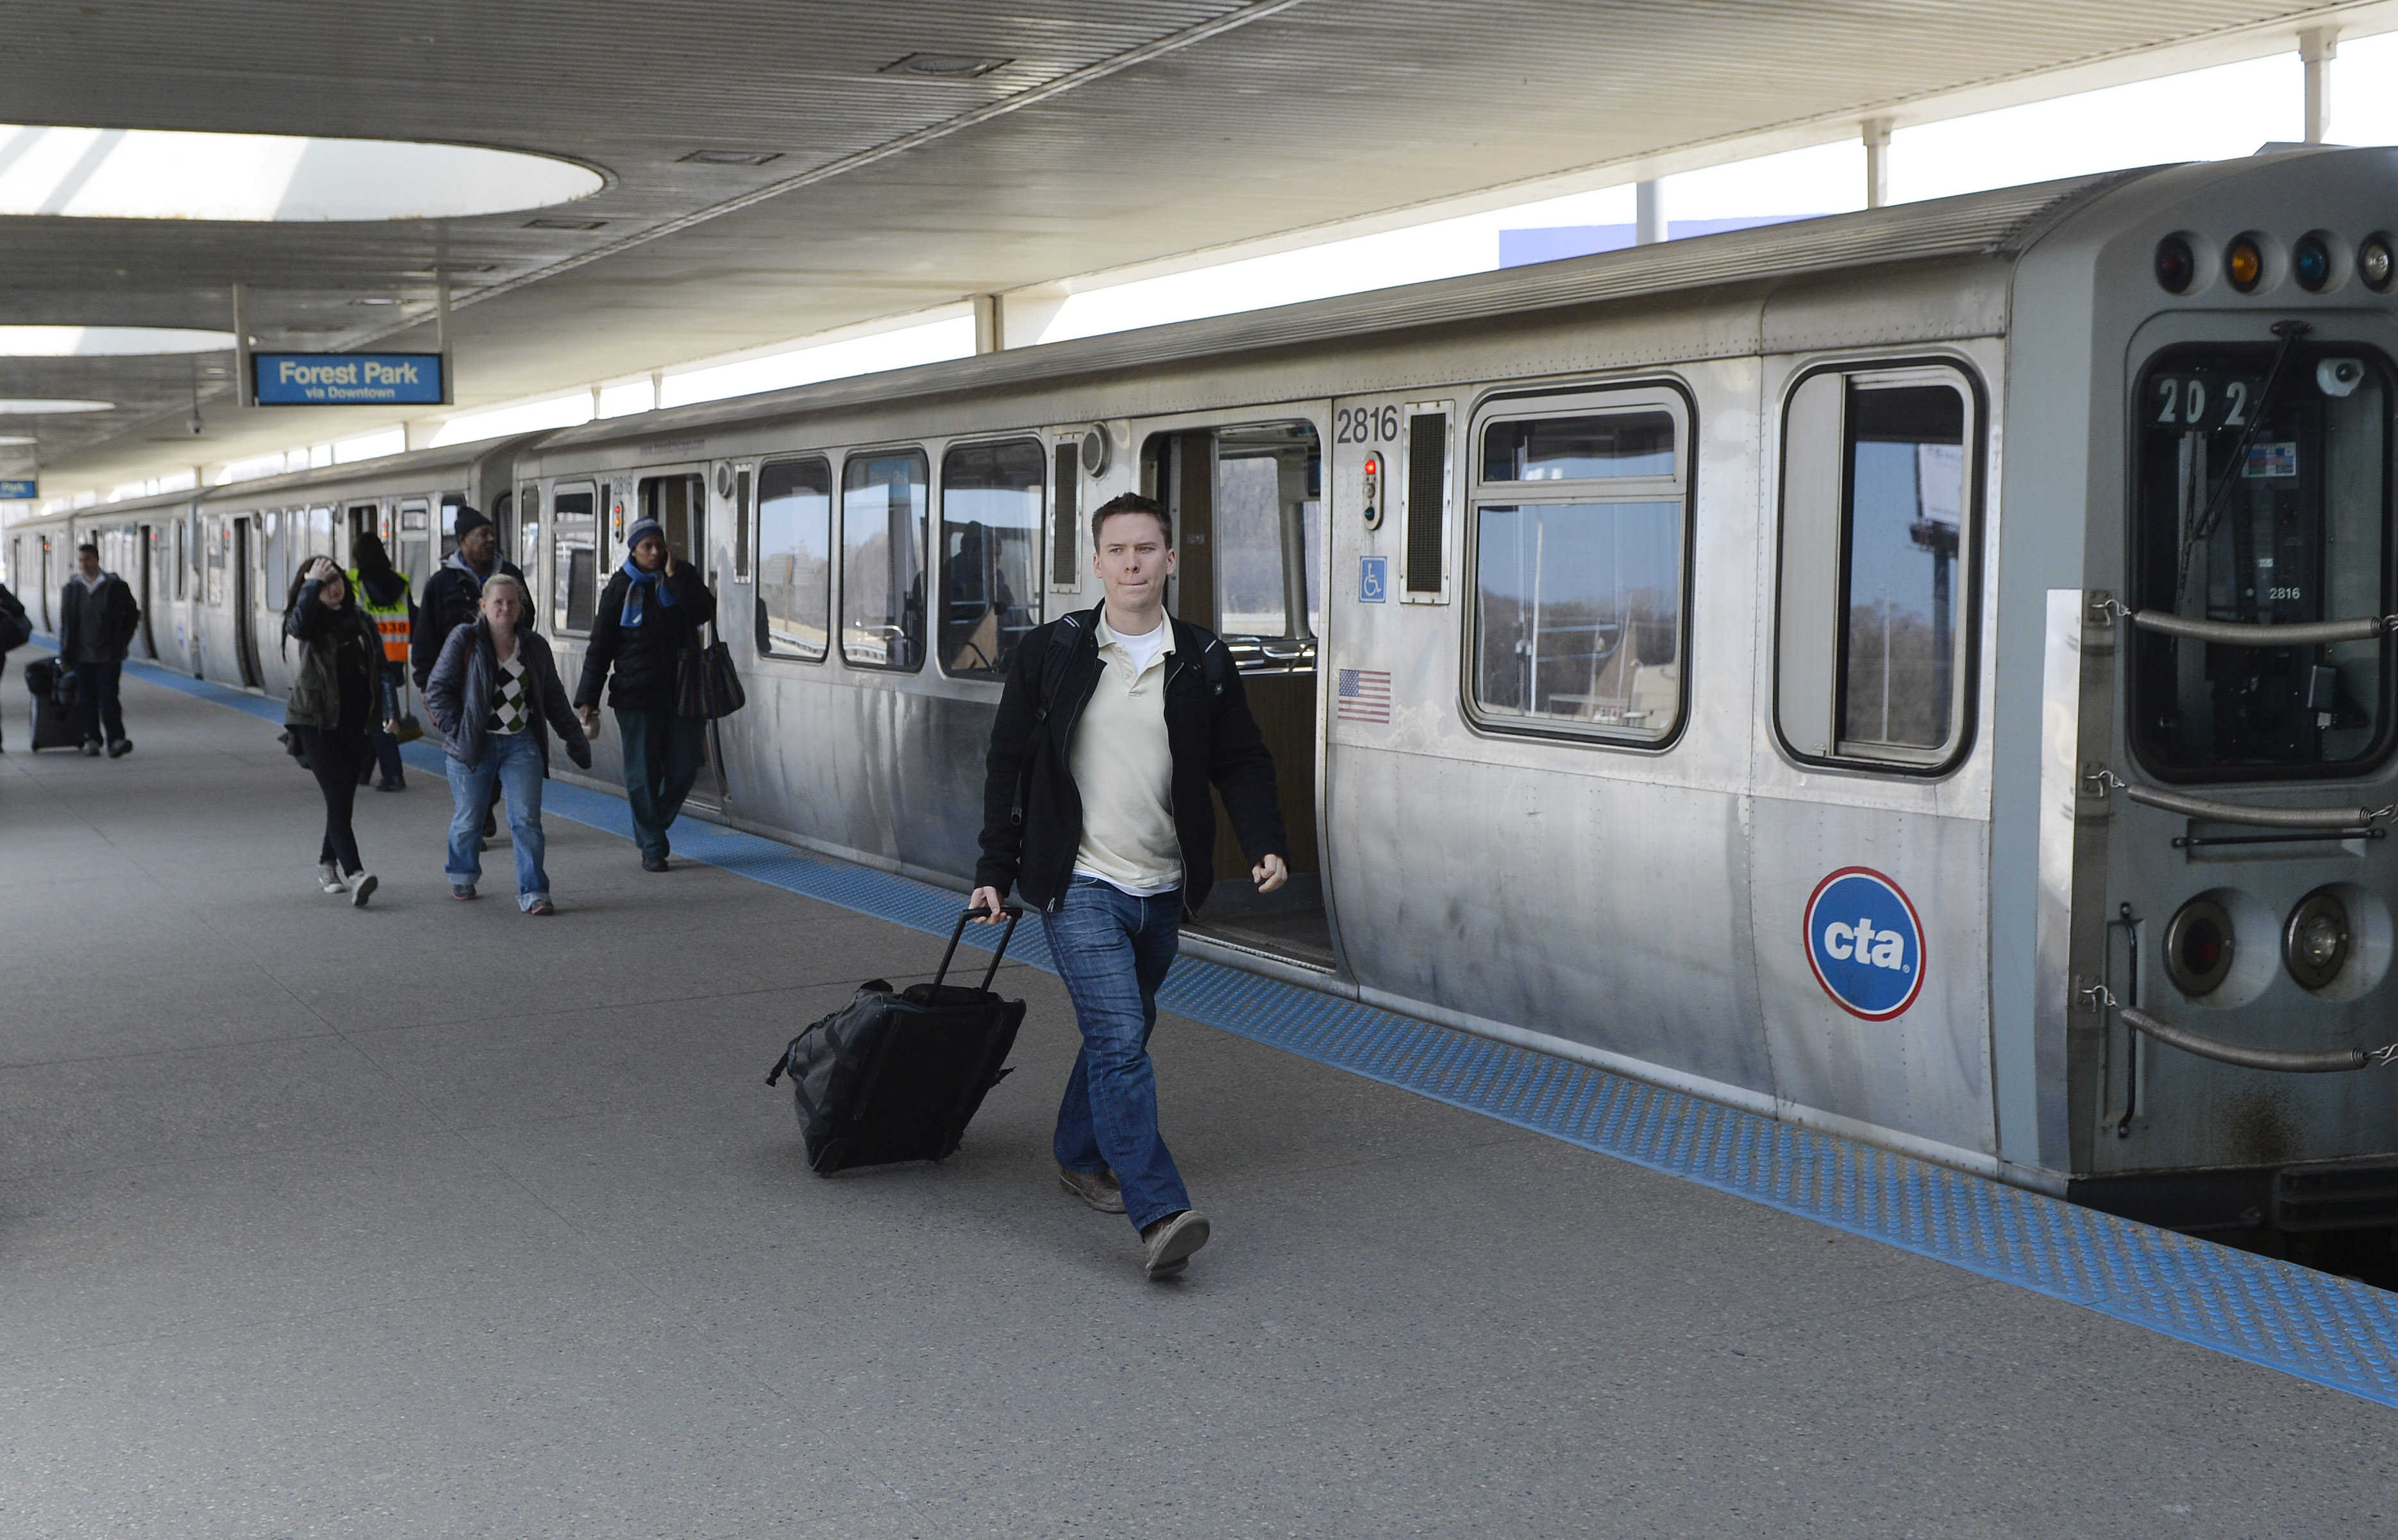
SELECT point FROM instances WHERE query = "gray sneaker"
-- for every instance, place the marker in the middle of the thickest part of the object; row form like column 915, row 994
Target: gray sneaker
column 1167, row 1243
column 329, row 877
column 1096, row 1188
column 361, row 886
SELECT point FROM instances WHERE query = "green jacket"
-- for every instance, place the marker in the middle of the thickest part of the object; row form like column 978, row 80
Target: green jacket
column 315, row 698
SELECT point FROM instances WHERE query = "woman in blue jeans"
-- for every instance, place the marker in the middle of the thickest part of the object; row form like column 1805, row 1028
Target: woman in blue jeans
column 495, row 697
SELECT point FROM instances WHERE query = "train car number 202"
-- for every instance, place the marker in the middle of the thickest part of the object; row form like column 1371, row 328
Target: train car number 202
column 1365, row 425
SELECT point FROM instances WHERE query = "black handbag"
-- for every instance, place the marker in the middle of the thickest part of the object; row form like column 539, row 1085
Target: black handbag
column 706, row 685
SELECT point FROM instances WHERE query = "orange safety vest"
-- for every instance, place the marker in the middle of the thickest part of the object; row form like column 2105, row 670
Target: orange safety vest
column 390, row 622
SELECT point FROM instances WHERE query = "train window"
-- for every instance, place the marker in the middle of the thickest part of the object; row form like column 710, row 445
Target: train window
column 1877, row 543
column 882, row 513
column 575, row 558
column 1267, row 540
column 991, row 553
column 2262, row 497
column 1579, row 547
column 794, row 558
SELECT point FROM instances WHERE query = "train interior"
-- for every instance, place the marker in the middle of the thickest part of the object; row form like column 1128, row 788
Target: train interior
column 1247, row 507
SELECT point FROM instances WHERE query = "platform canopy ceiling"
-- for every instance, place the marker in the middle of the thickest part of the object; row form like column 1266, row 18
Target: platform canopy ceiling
column 777, row 169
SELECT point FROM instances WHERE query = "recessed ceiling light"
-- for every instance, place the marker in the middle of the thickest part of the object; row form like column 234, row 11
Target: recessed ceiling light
column 26, row 406
column 88, row 342
column 373, row 300
column 945, row 66
column 566, row 223
column 729, row 157
column 17, row 439
column 145, row 173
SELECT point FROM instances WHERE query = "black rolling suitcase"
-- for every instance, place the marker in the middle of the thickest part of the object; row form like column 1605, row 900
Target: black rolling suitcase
column 898, row 1074
column 57, row 723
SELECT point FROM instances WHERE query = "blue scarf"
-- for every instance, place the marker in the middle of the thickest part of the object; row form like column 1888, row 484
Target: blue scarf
column 637, row 593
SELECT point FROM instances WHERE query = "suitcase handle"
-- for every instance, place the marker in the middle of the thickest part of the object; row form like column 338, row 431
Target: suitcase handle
column 959, row 931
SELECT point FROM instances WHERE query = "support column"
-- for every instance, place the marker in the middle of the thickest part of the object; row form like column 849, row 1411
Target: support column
column 2316, row 51
column 1876, row 134
column 1648, row 213
column 991, row 323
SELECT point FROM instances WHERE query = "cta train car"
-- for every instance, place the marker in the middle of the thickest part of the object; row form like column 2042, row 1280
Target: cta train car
column 1923, row 674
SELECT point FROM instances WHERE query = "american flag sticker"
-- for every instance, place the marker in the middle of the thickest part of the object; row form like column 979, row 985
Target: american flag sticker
column 1365, row 695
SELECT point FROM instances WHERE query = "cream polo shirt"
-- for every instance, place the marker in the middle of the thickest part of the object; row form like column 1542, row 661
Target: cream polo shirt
column 1124, row 767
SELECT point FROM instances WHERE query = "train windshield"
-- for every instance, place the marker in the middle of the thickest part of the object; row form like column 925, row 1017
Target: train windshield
column 2262, row 498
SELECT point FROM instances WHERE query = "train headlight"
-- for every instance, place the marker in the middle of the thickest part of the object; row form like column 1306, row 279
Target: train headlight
column 2176, row 265
column 2198, row 947
column 2311, row 263
column 2373, row 263
column 2315, row 942
column 2243, row 263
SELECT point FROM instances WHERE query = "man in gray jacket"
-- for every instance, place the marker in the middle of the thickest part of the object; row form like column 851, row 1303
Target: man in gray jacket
column 97, row 620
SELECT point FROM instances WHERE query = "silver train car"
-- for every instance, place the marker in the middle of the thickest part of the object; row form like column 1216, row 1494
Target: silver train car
column 1921, row 674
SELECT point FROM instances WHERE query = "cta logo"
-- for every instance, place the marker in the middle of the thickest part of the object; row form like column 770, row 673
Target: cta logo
column 1865, row 944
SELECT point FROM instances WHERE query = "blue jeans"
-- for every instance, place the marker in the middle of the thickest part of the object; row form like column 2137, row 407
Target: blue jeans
column 513, row 760
column 1112, row 950
column 662, row 753
column 97, row 681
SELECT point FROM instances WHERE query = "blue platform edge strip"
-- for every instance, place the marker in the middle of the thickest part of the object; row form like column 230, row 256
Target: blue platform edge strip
column 2328, row 1329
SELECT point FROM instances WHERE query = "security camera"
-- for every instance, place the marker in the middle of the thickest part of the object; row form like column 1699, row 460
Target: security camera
column 194, row 426
column 2340, row 376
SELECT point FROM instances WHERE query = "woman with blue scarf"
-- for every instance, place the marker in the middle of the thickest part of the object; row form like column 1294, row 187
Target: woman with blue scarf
column 647, row 617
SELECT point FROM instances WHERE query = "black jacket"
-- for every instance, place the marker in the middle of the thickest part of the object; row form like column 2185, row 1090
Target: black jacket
column 646, row 656
column 458, row 696
column 1032, row 812
column 453, row 597
column 100, row 620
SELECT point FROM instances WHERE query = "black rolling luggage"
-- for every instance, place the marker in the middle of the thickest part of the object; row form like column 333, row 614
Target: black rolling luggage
column 898, row 1074
column 57, row 721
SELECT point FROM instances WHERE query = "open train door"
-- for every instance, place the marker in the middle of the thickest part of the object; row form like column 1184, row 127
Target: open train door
column 247, row 551
column 679, row 501
column 1248, row 524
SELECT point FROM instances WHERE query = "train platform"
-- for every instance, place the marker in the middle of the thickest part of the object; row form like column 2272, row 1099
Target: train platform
column 437, row 1220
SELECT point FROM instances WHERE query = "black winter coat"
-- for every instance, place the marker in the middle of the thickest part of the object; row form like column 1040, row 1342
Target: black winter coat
column 646, row 656
column 1033, row 811
column 453, row 597
column 117, row 619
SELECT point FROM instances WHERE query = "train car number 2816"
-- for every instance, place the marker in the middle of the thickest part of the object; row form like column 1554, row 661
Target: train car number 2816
column 1365, row 425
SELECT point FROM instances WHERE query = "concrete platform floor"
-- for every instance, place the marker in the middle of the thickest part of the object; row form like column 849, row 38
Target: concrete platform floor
column 433, row 1219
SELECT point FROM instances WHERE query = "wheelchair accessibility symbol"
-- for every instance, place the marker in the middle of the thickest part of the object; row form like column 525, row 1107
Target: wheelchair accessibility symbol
column 1374, row 580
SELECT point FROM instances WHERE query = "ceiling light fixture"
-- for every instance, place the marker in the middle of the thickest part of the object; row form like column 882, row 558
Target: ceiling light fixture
column 945, row 66
column 729, row 157
column 95, row 342
column 566, row 225
column 34, row 406
column 146, row 173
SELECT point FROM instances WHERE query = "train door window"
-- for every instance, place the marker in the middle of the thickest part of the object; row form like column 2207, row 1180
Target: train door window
column 574, row 571
column 1876, row 566
column 529, row 533
column 1066, row 517
column 679, row 505
column 991, row 553
column 449, row 528
column 1580, row 548
column 741, row 543
column 1268, row 522
column 795, row 558
column 2262, row 497
column 882, row 517
column 276, row 557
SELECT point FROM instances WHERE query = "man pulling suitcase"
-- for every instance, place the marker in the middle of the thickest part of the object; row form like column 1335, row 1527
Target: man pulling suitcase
column 1114, row 723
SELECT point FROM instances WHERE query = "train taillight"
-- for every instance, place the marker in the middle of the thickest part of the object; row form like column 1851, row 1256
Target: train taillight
column 2243, row 263
column 2311, row 263
column 2373, row 263
column 2198, row 947
column 2176, row 265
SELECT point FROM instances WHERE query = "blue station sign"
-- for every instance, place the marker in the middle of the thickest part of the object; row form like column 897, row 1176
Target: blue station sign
column 20, row 492
column 1865, row 943
column 348, row 379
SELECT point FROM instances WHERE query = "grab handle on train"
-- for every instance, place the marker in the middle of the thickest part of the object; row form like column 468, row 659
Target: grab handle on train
column 2329, row 1060
column 2102, row 780
column 2314, row 633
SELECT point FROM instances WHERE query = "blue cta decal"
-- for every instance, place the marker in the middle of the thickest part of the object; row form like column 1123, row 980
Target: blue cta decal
column 1865, row 944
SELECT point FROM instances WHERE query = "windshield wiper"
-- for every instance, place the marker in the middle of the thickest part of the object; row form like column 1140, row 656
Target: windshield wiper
column 2202, row 528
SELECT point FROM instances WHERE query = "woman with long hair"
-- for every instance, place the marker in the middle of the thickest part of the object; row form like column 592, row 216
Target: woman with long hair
column 341, row 693
column 381, row 591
